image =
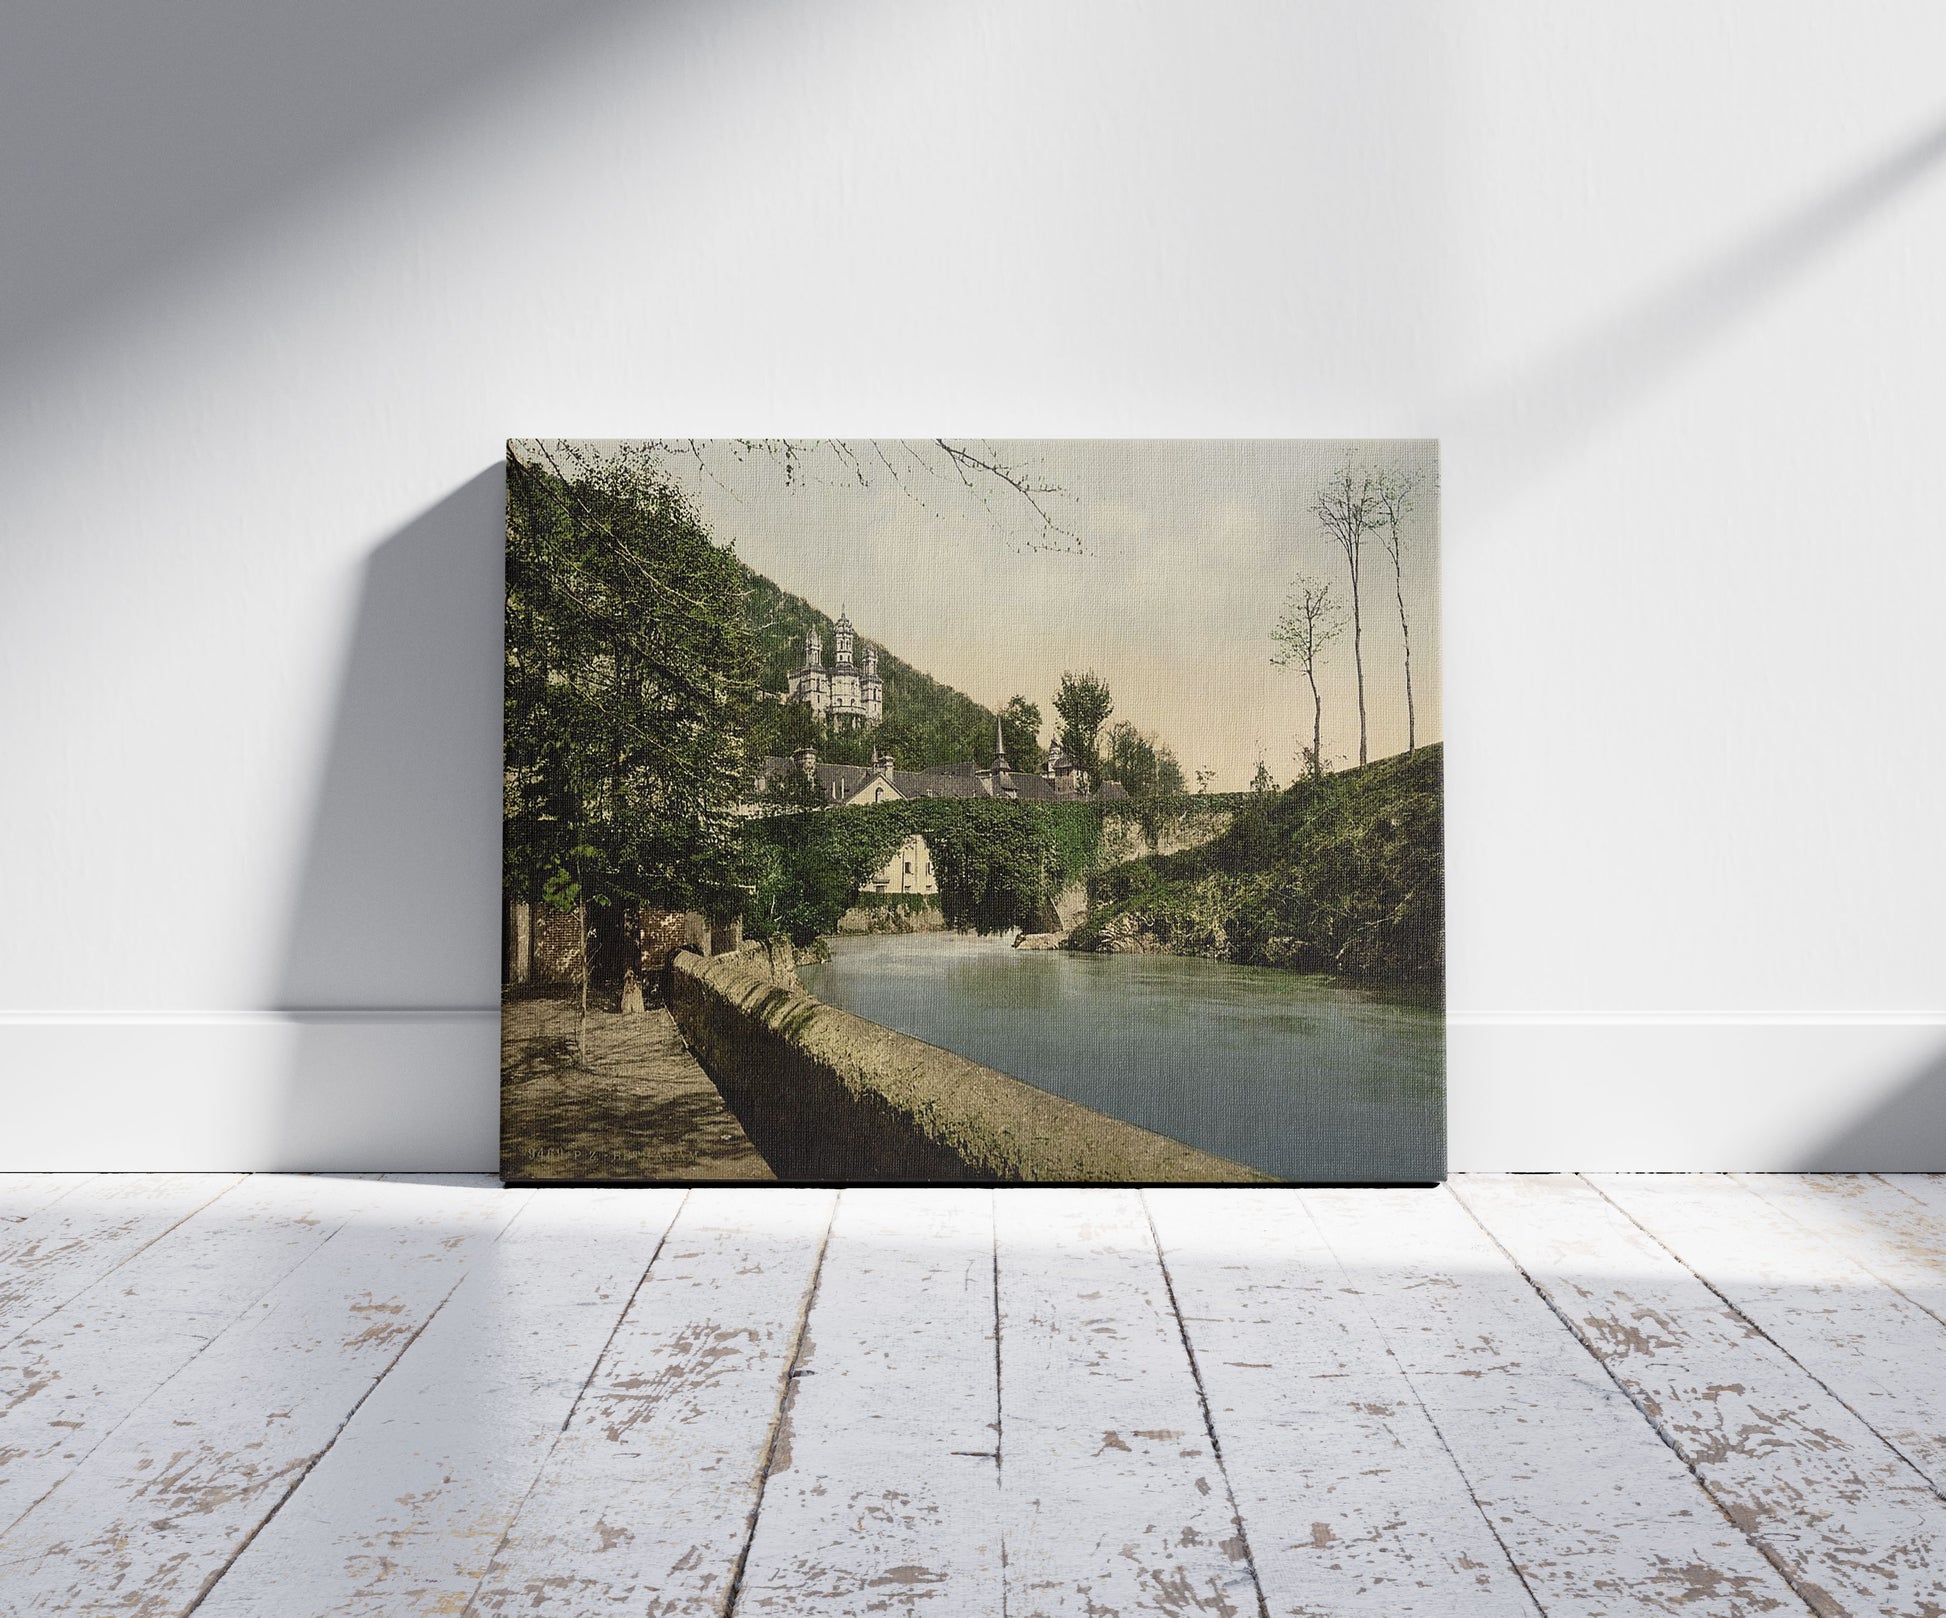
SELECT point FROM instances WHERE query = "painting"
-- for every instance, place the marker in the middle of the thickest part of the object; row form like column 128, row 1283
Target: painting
column 973, row 811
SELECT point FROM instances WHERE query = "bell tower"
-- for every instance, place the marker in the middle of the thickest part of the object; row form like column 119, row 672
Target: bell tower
column 871, row 688
column 810, row 684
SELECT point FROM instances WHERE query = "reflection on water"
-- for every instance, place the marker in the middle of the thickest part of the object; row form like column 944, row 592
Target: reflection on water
column 1291, row 1075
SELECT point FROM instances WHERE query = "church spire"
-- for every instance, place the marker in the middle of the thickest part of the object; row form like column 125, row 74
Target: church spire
column 999, row 748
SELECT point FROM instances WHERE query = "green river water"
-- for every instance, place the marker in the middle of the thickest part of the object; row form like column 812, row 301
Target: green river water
column 1307, row 1080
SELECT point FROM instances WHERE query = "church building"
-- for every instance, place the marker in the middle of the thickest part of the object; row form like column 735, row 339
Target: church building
column 844, row 695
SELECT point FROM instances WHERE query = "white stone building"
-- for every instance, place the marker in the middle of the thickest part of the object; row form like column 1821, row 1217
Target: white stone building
column 846, row 694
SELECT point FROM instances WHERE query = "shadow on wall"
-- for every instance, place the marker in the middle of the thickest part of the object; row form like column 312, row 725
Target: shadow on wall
column 391, row 960
column 1549, row 409
column 180, row 124
column 1904, row 1133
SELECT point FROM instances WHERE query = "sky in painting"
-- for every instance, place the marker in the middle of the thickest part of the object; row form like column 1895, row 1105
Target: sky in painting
column 1176, row 561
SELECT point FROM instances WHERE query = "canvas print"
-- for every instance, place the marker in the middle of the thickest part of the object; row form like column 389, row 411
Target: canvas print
column 957, row 810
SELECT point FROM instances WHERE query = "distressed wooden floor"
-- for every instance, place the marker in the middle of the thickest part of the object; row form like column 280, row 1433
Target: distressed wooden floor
column 1541, row 1394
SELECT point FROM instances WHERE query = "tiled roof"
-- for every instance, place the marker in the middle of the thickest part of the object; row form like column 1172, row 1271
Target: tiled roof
column 963, row 780
column 934, row 784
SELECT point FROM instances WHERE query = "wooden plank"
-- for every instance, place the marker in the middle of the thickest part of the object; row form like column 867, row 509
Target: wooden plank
column 883, row 1495
column 65, row 1246
column 404, row 1512
column 1843, row 1515
column 1113, row 1498
column 1599, row 1517
column 23, row 1194
column 1870, row 1346
column 1351, row 1501
column 69, row 1380
column 1894, row 1224
column 646, row 1503
column 149, row 1520
column 1929, row 1189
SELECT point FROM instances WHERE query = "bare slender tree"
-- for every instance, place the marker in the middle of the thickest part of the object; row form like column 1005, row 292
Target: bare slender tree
column 1347, row 509
column 1393, row 493
column 1310, row 623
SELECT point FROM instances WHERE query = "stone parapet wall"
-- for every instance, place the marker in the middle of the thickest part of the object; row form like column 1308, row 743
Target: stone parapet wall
column 830, row 1097
column 773, row 960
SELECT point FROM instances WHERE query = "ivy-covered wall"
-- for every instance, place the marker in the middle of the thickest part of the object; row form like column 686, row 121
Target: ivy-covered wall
column 999, row 864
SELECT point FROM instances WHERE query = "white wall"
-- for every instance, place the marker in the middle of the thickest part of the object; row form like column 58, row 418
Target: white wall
column 1664, row 278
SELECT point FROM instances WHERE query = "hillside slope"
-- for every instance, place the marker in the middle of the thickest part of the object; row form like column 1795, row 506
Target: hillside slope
column 926, row 721
column 1343, row 875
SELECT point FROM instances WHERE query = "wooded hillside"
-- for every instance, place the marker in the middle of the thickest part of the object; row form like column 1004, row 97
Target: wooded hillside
column 926, row 722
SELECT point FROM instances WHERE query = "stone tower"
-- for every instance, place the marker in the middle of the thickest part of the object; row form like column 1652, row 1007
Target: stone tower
column 871, row 689
column 847, row 692
column 810, row 684
column 844, row 694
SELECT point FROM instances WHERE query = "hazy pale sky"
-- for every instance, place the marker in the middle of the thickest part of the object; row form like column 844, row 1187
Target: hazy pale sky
column 1185, row 552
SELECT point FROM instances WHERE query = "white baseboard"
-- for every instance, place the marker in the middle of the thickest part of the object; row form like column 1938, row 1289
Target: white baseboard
column 419, row 1090
column 251, row 1090
column 1697, row 1093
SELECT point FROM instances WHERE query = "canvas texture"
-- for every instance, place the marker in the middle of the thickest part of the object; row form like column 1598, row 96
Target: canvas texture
column 973, row 811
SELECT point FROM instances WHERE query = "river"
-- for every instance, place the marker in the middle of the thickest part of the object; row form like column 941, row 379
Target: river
column 1305, row 1079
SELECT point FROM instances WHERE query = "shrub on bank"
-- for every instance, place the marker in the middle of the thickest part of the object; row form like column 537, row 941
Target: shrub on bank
column 1344, row 874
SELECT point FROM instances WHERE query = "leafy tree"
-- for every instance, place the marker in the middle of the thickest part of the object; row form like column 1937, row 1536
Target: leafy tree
column 789, row 792
column 1145, row 767
column 850, row 745
column 1168, row 772
column 1129, row 757
column 779, row 729
column 1347, row 509
column 1310, row 623
column 627, row 688
column 909, row 744
column 1263, row 782
column 1020, row 729
column 1084, row 704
